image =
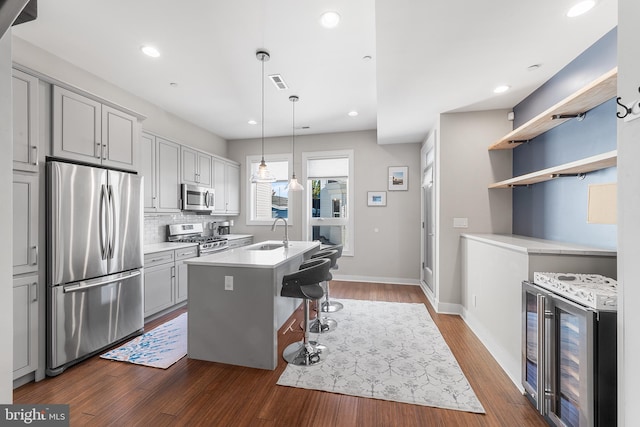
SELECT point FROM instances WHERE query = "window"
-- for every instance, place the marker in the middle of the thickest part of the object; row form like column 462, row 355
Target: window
column 268, row 200
column 328, row 210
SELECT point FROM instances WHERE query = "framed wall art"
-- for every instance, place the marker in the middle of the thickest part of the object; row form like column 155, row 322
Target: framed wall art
column 398, row 178
column 376, row 198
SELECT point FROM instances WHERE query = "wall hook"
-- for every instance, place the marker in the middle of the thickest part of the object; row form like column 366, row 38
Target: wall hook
column 627, row 110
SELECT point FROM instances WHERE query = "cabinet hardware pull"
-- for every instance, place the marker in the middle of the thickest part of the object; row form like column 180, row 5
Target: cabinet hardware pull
column 35, row 251
column 98, row 150
column 34, row 287
column 104, row 148
column 35, row 160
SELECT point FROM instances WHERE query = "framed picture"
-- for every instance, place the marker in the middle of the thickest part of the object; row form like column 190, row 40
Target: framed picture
column 398, row 178
column 376, row 198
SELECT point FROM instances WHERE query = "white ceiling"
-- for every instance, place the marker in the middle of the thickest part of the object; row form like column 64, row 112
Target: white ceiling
column 428, row 57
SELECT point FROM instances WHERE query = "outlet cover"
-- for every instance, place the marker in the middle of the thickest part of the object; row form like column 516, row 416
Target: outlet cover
column 228, row 283
column 460, row 222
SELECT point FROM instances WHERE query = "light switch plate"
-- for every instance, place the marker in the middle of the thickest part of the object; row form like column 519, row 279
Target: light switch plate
column 460, row 222
column 228, row 283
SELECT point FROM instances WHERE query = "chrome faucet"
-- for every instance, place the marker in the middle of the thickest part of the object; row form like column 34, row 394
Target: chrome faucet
column 286, row 231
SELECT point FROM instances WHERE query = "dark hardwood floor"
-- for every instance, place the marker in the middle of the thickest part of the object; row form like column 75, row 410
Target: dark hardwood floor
column 197, row 393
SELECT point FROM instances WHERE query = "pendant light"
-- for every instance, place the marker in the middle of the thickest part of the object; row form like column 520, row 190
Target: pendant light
column 294, row 185
column 262, row 174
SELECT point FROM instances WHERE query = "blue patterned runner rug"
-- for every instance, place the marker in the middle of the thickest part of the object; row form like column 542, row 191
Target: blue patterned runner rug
column 389, row 351
column 160, row 347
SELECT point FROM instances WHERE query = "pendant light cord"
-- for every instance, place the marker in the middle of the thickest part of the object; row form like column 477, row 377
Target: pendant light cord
column 262, row 80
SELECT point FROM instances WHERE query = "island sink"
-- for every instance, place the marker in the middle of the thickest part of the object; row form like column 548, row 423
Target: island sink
column 266, row 247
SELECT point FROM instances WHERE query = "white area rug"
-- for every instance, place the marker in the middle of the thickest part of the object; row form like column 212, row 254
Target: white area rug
column 160, row 347
column 389, row 351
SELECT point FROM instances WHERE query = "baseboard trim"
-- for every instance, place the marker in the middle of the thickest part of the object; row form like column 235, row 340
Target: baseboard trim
column 375, row 279
column 499, row 354
column 440, row 307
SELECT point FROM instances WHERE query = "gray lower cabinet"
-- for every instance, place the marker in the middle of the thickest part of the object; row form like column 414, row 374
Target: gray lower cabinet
column 165, row 279
column 25, row 325
column 25, row 223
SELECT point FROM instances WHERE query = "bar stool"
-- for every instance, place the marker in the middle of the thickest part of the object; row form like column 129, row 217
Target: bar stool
column 329, row 306
column 322, row 323
column 305, row 284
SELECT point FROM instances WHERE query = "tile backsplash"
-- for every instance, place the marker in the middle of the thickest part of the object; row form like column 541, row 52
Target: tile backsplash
column 155, row 225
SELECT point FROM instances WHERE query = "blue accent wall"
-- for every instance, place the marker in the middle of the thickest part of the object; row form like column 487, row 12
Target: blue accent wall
column 557, row 209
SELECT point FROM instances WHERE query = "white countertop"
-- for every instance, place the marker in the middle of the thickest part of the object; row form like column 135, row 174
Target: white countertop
column 165, row 246
column 532, row 245
column 236, row 236
column 246, row 256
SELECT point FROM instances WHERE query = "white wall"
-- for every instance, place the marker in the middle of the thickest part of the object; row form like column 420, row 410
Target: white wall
column 158, row 121
column 464, row 169
column 628, row 224
column 393, row 253
column 6, row 217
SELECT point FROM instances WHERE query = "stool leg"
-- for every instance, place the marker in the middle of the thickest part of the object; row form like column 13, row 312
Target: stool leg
column 329, row 306
column 304, row 353
column 321, row 323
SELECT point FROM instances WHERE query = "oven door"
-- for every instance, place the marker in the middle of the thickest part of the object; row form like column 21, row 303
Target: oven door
column 196, row 198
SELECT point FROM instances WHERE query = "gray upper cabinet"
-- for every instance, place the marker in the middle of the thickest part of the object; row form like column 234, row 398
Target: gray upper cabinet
column 227, row 186
column 25, row 223
column 86, row 130
column 25, row 122
column 160, row 166
column 196, row 167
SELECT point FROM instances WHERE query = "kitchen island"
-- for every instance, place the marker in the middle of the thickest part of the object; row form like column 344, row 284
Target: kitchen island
column 235, row 307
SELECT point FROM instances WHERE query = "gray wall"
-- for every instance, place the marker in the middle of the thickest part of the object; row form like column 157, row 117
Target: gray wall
column 464, row 169
column 6, row 217
column 628, row 225
column 158, row 121
column 392, row 254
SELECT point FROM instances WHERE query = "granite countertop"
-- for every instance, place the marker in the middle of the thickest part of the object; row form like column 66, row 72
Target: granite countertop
column 165, row 246
column 532, row 245
column 248, row 256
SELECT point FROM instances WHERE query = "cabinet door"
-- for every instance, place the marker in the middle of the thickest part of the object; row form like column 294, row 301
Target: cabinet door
column 76, row 127
column 148, row 170
column 119, row 139
column 25, row 122
column 205, row 164
column 25, row 223
column 168, row 175
column 159, row 282
column 25, row 325
column 220, row 183
column 189, row 165
column 182, row 279
column 233, row 189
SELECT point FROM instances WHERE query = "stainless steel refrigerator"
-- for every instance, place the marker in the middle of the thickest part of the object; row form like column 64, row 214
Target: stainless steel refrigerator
column 94, row 260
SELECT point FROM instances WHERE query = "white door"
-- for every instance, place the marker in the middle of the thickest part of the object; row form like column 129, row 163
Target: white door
column 428, row 227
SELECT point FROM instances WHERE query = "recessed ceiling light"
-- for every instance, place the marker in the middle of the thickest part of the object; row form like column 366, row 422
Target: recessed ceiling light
column 352, row 113
column 150, row 51
column 173, row 84
column 330, row 19
column 366, row 58
column 252, row 122
column 501, row 89
column 534, row 67
column 580, row 8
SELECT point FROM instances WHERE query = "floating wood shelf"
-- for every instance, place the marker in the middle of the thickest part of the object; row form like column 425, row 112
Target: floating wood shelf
column 595, row 93
column 590, row 164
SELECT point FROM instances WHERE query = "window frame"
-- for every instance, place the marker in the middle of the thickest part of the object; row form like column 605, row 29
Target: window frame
column 250, row 159
column 349, row 221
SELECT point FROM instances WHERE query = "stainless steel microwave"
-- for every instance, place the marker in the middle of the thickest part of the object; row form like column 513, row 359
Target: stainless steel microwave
column 196, row 198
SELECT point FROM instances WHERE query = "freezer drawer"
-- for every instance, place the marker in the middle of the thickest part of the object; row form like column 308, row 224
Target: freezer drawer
column 90, row 315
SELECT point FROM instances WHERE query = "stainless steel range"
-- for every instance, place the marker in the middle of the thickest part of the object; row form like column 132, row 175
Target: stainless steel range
column 194, row 233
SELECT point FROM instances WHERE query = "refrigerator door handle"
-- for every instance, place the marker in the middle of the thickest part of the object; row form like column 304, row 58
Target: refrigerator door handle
column 103, row 222
column 542, row 347
column 87, row 284
column 112, row 222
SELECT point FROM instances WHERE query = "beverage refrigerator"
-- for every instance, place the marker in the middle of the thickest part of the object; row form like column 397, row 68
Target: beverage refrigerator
column 569, row 348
